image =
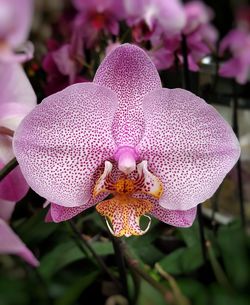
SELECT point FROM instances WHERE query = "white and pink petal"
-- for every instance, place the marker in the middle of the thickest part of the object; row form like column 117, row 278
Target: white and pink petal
column 130, row 73
column 10, row 243
column 62, row 144
column 188, row 146
column 176, row 218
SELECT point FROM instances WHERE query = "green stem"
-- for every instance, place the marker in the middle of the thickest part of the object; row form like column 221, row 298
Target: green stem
column 98, row 259
column 121, row 266
column 179, row 297
column 8, row 168
column 218, row 271
column 134, row 264
column 137, row 285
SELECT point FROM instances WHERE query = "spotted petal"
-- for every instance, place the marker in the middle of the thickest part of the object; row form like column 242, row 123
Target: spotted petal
column 188, row 145
column 124, row 214
column 130, row 73
column 59, row 213
column 62, row 144
column 174, row 218
column 10, row 243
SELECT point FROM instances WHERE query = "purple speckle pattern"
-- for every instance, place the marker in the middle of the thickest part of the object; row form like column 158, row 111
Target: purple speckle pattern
column 182, row 219
column 130, row 73
column 58, row 213
column 63, row 143
column 188, row 146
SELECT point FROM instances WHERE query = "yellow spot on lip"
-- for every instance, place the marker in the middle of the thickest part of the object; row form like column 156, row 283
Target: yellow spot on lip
column 124, row 211
column 124, row 186
column 124, row 214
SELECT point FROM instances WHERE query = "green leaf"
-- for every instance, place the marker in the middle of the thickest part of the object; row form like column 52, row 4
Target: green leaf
column 194, row 290
column 190, row 235
column 219, row 296
column 183, row 260
column 34, row 230
column 76, row 288
column 67, row 253
column 232, row 243
column 149, row 295
column 10, row 285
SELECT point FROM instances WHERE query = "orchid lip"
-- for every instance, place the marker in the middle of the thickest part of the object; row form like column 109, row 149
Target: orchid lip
column 123, row 211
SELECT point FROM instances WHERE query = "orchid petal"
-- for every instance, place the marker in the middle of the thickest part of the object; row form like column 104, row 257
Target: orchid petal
column 13, row 187
column 113, row 8
column 10, row 243
column 174, row 218
column 6, row 152
column 130, row 73
column 17, row 96
column 15, row 20
column 233, row 41
column 63, row 143
column 6, row 209
column 24, row 53
column 100, row 184
column 66, row 65
column 188, row 145
column 235, row 67
column 152, row 185
column 59, row 213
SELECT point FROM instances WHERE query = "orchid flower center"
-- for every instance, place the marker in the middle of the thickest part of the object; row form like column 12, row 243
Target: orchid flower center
column 124, row 210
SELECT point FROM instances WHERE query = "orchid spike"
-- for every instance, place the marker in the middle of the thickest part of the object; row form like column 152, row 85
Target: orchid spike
column 156, row 151
column 15, row 23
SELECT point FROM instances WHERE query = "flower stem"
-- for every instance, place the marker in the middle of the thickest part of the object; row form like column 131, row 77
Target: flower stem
column 179, row 297
column 238, row 165
column 8, row 168
column 137, row 285
column 121, row 266
column 98, row 259
column 187, row 82
column 218, row 271
column 134, row 265
column 202, row 233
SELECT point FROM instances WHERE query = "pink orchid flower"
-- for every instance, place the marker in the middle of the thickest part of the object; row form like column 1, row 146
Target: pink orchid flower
column 98, row 15
column 201, row 37
column 237, row 42
column 197, row 14
column 15, row 23
column 62, row 66
column 17, row 99
column 10, row 243
column 157, row 151
column 169, row 15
